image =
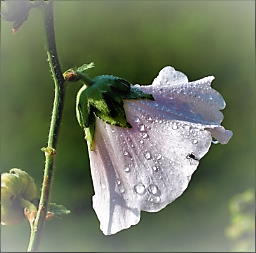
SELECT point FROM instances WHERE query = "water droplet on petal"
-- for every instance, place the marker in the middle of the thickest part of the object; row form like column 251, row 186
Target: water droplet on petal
column 126, row 153
column 174, row 126
column 149, row 119
column 159, row 157
column 118, row 181
column 154, row 199
column 195, row 141
column 193, row 132
column 155, row 168
column 147, row 155
column 127, row 169
column 144, row 136
column 153, row 189
column 139, row 188
column 137, row 120
column 187, row 127
column 142, row 128
column 122, row 190
column 157, row 199
column 141, row 141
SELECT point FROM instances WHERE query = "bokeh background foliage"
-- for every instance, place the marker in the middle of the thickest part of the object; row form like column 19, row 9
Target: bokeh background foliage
column 132, row 39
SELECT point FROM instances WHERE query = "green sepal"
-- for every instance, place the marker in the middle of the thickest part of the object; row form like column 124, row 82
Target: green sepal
column 82, row 107
column 90, row 132
column 136, row 93
column 104, row 99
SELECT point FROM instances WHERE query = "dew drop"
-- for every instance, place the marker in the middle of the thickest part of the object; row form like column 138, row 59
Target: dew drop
column 174, row 126
column 144, row 136
column 118, row 182
column 159, row 157
column 187, row 127
column 127, row 169
column 126, row 153
column 147, row 155
column 122, row 190
column 155, row 168
column 193, row 132
column 149, row 119
column 139, row 188
column 137, row 120
column 157, row 199
column 195, row 141
column 141, row 141
column 142, row 128
column 153, row 189
column 154, row 199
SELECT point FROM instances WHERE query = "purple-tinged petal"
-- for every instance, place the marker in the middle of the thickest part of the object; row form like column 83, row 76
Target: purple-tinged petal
column 150, row 165
column 169, row 76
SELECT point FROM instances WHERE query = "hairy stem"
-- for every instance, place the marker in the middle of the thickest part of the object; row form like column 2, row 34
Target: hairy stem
column 50, row 150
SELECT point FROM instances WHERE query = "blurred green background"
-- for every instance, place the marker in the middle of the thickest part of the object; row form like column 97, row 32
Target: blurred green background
column 134, row 40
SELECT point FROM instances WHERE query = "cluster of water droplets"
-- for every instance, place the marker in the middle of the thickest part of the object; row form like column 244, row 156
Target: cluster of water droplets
column 152, row 189
column 120, row 186
column 154, row 160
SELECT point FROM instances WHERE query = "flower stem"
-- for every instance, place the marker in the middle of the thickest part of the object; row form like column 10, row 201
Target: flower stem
column 57, row 109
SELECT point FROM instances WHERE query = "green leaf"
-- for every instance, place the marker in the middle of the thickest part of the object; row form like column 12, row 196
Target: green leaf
column 58, row 210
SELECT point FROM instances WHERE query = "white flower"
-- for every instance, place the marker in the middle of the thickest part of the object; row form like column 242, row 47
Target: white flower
column 149, row 165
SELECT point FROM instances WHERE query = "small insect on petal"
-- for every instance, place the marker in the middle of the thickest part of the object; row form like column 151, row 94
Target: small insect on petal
column 161, row 151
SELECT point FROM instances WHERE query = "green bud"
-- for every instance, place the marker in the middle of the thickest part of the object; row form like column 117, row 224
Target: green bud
column 18, row 190
column 78, row 74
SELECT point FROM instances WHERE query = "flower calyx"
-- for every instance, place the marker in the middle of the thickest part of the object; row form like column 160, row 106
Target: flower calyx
column 102, row 97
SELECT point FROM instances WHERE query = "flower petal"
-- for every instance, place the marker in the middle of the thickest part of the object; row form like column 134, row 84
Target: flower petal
column 150, row 165
column 169, row 76
column 194, row 101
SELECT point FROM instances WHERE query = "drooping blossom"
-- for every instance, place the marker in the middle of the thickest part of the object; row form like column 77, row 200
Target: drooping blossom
column 148, row 166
